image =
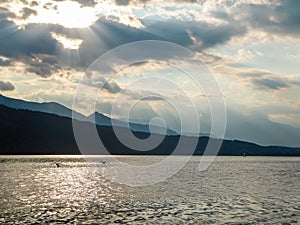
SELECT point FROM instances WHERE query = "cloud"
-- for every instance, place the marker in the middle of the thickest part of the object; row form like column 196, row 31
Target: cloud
column 144, row 95
column 42, row 69
column 34, row 3
column 266, row 80
column 281, row 17
column 244, row 55
column 261, row 80
column 27, row 12
column 34, row 46
column 149, row 2
column 122, row 2
column 5, row 13
column 37, row 39
column 6, row 86
column 152, row 98
column 43, row 65
column 194, row 34
column 67, row 43
column 292, row 119
column 85, row 3
column 253, row 73
column 210, row 58
column 112, row 87
column 107, row 34
column 5, row 62
column 270, row 83
column 34, row 38
column 102, row 82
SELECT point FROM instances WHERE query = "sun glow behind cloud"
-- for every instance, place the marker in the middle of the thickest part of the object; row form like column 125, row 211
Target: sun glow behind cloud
column 68, row 43
column 72, row 15
column 69, row 14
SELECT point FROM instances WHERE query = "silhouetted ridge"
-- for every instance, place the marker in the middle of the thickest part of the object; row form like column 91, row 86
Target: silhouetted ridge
column 27, row 132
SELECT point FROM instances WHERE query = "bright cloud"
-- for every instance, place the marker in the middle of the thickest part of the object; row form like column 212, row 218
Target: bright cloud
column 68, row 43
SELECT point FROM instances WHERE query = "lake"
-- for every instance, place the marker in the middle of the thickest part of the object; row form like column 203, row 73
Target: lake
column 234, row 190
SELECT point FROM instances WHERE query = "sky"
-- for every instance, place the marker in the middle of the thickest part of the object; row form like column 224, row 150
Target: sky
column 252, row 48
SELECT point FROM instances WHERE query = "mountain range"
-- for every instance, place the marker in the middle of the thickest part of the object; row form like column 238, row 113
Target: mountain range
column 46, row 128
column 60, row 110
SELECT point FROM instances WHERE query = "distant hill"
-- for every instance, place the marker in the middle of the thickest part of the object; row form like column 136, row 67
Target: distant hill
column 30, row 132
column 60, row 110
column 46, row 107
column 100, row 119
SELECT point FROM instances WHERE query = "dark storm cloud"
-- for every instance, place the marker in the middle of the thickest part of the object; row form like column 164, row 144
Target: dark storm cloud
column 6, row 86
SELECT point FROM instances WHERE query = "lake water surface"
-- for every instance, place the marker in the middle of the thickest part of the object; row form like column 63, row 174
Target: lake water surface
column 234, row 190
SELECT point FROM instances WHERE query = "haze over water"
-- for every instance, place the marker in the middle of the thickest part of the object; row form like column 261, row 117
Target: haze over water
column 234, row 190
